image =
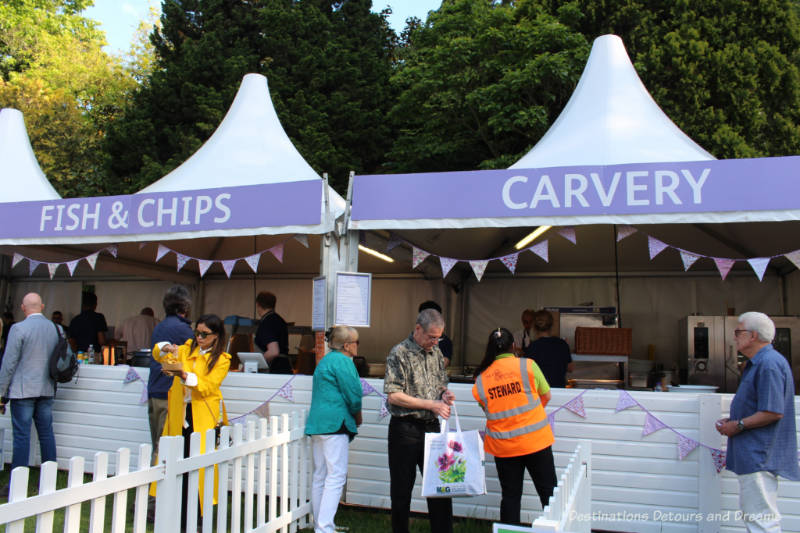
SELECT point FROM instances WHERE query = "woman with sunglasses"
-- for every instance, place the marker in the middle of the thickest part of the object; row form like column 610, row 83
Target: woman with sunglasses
column 332, row 423
column 193, row 401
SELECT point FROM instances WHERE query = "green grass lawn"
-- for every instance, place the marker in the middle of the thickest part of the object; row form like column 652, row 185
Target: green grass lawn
column 356, row 519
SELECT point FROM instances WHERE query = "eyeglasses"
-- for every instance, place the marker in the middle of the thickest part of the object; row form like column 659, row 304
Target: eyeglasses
column 737, row 331
column 202, row 334
column 353, row 342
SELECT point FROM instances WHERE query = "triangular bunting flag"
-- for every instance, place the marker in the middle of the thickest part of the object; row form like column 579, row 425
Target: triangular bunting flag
column 417, row 256
column 17, row 258
column 655, row 246
column 447, row 264
column 624, row 401
column 651, row 425
column 113, row 250
column 759, row 265
column 32, row 265
column 551, row 419
column 576, row 406
column 302, row 239
column 52, row 267
column 724, row 266
column 688, row 259
column 228, row 265
column 794, row 257
column 540, row 249
column 142, row 245
column 286, row 392
column 394, row 242
column 181, row 259
column 71, row 266
column 366, row 388
column 277, row 251
column 204, row 264
column 479, row 267
column 568, row 232
column 718, row 457
column 252, row 262
column 384, row 410
column 131, row 375
column 510, row 261
column 92, row 259
column 262, row 411
column 143, row 397
column 625, row 231
column 685, row 446
column 161, row 252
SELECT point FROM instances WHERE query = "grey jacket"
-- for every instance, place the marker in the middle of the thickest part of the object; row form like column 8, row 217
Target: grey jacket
column 25, row 372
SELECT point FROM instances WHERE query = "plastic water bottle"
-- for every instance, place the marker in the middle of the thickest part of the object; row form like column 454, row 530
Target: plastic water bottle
column 90, row 354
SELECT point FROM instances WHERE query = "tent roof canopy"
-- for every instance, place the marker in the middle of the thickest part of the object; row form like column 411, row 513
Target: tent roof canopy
column 21, row 178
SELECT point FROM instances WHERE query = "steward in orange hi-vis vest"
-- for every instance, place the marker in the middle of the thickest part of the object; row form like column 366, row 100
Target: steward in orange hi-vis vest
column 516, row 423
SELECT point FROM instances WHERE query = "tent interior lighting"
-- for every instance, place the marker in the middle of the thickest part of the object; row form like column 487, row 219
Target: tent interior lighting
column 531, row 236
column 375, row 253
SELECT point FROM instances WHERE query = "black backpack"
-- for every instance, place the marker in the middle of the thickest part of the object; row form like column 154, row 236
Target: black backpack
column 63, row 363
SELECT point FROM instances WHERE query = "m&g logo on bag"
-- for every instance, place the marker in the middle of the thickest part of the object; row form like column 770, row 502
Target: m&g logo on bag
column 442, row 490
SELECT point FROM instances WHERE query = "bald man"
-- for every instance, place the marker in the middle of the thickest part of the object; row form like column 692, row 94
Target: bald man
column 25, row 381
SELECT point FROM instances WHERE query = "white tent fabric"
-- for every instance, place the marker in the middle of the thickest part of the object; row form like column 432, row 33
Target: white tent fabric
column 250, row 147
column 612, row 118
column 21, row 178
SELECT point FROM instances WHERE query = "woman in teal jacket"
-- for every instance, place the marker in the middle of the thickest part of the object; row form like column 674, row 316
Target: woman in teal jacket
column 332, row 423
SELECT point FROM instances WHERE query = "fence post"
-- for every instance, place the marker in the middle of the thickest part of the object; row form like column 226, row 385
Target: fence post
column 72, row 515
column 709, row 483
column 47, row 485
column 168, row 491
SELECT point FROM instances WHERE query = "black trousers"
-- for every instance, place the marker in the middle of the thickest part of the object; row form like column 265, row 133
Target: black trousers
column 511, row 471
column 406, row 453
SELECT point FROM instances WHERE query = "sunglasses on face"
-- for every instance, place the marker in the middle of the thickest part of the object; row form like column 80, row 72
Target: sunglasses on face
column 202, row 334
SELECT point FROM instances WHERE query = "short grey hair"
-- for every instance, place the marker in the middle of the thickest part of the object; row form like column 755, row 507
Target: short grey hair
column 428, row 318
column 341, row 335
column 759, row 323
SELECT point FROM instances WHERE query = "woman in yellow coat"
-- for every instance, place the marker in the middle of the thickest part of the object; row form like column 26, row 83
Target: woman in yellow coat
column 193, row 401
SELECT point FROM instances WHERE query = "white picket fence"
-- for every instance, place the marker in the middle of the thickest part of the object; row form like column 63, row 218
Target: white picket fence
column 264, row 467
column 570, row 507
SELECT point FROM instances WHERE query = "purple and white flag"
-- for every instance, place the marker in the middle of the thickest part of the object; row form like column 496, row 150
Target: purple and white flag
column 366, row 388
column 204, row 264
column 143, row 397
column 551, row 419
column 540, row 249
column 302, row 239
column 52, row 267
column 447, row 264
column 685, row 446
column 262, row 411
column 651, row 425
column 228, row 265
column 724, row 266
column 161, row 252
column 479, row 267
column 624, row 401
column 277, row 251
column 568, row 232
column 384, row 410
column 32, row 265
column 17, row 258
column 759, row 265
column 131, row 375
column 576, row 405
column 92, row 259
column 418, row 255
column 181, row 260
column 688, row 259
column 510, row 261
column 286, row 392
column 71, row 265
column 718, row 457
column 252, row 262
column 624, row 231
column 655, row 246
column 794, row 257
column 394, row 242
column 113, row 250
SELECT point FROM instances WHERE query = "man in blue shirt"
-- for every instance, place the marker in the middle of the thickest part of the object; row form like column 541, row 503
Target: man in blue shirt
column 175, row 329
column 762, row 438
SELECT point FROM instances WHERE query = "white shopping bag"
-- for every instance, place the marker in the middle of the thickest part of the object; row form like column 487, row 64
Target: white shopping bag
column 454, row 462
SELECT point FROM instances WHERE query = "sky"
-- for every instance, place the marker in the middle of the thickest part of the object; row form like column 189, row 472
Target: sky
column 120, row 18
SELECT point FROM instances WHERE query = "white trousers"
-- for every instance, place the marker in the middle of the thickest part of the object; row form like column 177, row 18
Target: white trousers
column 758, row 499
column 330, row 473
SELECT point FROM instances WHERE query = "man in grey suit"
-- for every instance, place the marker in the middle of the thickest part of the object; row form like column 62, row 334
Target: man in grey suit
column 25, row 380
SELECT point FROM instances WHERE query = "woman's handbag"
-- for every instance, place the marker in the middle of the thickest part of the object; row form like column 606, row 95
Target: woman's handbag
column 223, row 421
column 454, row 463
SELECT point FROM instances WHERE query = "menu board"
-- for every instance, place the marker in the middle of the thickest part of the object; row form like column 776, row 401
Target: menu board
column 352, row 299
column 319, row 304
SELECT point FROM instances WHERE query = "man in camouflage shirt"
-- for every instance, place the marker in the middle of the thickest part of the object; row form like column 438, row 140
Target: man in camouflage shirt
column 416, row 387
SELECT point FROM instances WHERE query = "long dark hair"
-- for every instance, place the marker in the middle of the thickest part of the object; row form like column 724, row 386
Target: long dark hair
column 500, row 341
column 216, row 325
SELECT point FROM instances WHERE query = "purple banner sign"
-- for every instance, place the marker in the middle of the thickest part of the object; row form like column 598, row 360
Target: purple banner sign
column 251, row 206
column 684, row 187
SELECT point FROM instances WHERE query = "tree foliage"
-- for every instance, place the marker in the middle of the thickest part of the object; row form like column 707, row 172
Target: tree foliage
column 55, row 71
column 479, row 82
column 327, row 63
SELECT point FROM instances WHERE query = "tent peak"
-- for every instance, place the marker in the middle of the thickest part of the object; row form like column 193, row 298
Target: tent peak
column 21, row 178
column 250, row 147
column 611, row 119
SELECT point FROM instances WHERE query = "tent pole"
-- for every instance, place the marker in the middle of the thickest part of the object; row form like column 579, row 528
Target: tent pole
column 616, row 277
column 5, row 268
column 464, row 322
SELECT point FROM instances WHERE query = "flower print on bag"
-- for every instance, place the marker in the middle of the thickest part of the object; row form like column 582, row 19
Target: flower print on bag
column 452, row 467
